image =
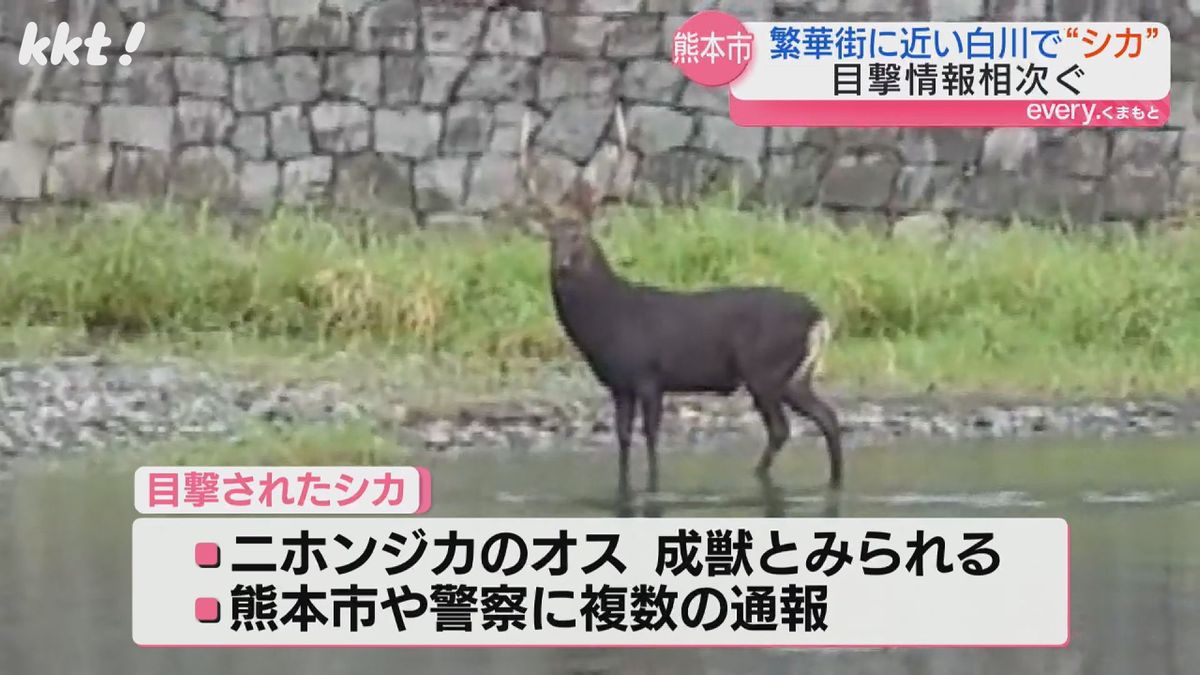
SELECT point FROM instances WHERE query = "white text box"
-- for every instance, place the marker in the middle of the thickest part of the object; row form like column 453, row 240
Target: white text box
column 1103, row 77
column 311, row 490
column 1018, row 595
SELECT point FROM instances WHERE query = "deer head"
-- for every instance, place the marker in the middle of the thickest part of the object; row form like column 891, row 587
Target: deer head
column 568, row 223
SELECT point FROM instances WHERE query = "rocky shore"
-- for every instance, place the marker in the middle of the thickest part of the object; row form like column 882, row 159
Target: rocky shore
column 78, row 404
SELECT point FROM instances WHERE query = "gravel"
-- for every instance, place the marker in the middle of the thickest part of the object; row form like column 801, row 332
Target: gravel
column 81, row 404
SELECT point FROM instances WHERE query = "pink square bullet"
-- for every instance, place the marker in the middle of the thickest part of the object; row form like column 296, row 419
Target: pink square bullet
column 208, row 610
column 208, row 554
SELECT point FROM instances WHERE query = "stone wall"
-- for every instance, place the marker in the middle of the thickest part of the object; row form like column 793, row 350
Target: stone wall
column 412, row 108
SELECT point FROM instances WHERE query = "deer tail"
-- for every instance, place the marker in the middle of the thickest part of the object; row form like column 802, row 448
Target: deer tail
column 818, row 337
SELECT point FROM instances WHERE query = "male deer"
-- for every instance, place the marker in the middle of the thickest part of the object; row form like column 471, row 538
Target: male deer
column 643, row 342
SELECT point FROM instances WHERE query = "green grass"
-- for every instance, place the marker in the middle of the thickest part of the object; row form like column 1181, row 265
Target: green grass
column 1023, row 310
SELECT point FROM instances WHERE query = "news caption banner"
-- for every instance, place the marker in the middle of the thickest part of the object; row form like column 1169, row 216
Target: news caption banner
column 930, row 74
column 317, row 490
column 557, row 582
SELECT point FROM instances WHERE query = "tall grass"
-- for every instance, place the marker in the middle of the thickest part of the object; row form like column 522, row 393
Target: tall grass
column 1022, row 308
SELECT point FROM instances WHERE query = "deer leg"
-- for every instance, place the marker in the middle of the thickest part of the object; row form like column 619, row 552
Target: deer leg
column 625, row 407
column 801, row 398
column 778, row 430
column 651, row 420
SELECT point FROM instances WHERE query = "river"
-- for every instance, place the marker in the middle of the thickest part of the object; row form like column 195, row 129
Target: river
column 1133, row 506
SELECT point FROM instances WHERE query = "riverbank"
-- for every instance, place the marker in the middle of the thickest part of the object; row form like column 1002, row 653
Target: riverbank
column 193, row 327
column 52, row 407
column 1021, row 310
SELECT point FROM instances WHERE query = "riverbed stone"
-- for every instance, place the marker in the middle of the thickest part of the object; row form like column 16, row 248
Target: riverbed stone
column 391, row 25
column 258, row 183
column 140, row 172
column 1143, row 149
column 518, row 33
column 205, row 172
column 451, row 29
column 574, row 36
column 250, row 136
column 293, row 8
column 248, row 38
column 605, row 6
column 291, row 133
column 724, row 137
column 22, row 165
column 635, row 36
column 1144, row 192
column 651, row 81
column 438, row 184
column 355, row 77
column 201, row 76
column 40, row 122
column 408, row 79
column 299, row 78
column 927, row 187
column 184, row 31
column 468, row 128
column 1008, row 149
column 305, row 179
column 79, row 171
column 410, row 133
column 562, row 78
column 139, row 126
column 145, row 81
column 493, row 182
column 124, row 402
column 990, row 194
column 1189, row 146
column 372, row 180
column 80, row 85
column 654, row 129
column 498, row 78
column 956, row 10
column 341, row 127
column 203, row 121
column 255, row 87
column 1085, row 153
column 792, row 179
column 245, row 9
column 1186, row 196
column 713, row 100
column 1019, row 10
column 859, row 181
column 940, row 145
column 313, row 33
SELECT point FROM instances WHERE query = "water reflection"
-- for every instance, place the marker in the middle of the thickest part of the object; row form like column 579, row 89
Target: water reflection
column 772, row 502
column 64, row 591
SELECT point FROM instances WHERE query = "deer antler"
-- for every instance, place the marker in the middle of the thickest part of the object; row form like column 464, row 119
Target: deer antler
column 622, row 146
column 583, row 197
column 533, row 199
column 523, row 156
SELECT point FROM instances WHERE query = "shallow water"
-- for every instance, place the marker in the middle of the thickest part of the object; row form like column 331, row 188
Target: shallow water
column 1133, row 507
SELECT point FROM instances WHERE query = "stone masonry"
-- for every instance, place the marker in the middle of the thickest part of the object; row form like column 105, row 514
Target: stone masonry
column 411, row 109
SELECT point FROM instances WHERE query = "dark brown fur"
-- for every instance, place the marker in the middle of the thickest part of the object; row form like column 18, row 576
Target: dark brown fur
column 643, row 342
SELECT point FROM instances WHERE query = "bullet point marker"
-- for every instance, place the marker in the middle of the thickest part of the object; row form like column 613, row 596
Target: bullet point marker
column 208, row 610
column 208, row 554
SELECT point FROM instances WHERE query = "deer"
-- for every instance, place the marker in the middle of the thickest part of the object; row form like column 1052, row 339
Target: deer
column 644, row 342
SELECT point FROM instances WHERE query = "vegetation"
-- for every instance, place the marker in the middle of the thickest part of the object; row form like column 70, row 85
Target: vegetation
column 1022, row 310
